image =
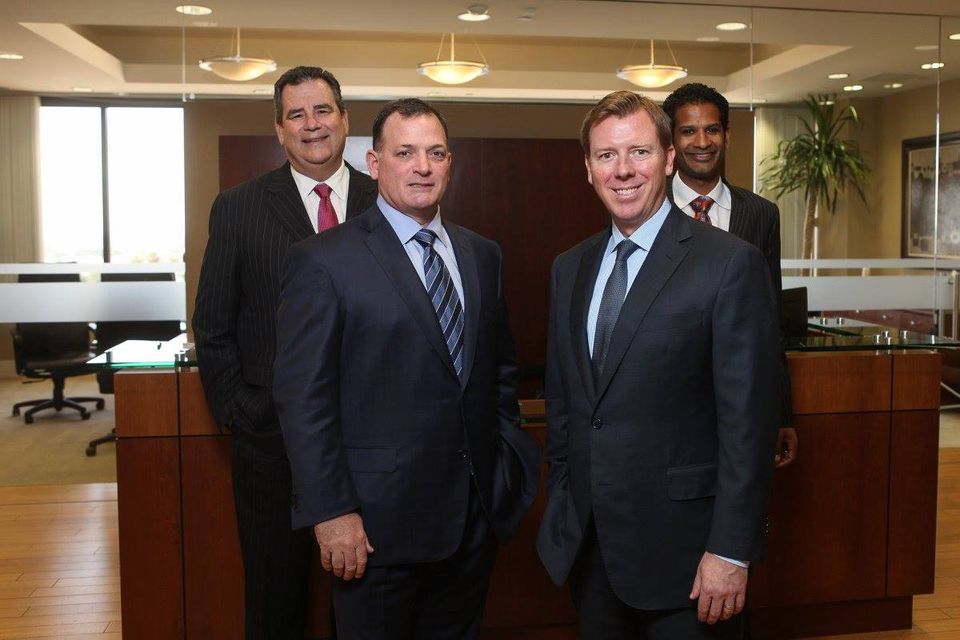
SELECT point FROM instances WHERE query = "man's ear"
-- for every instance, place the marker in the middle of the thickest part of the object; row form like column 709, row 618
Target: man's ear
column 373, row 163
column 586, row 163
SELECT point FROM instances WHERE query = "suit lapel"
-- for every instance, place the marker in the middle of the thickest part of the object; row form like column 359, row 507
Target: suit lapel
column 358, row 194
column 738, row 215
column 285, row 203
column 580, row 306
column 383, row 243
column 469, row 276
column 667, row 252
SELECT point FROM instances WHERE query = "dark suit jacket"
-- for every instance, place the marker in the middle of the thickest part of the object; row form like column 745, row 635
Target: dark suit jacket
column 757, row 220
column 234, row 322
column 374, row 417
column 671, row 450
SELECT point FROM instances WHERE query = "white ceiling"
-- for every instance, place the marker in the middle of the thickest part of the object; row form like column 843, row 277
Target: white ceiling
column 567, row 52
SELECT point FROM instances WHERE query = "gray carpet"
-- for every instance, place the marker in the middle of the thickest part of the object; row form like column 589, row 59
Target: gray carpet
column 51, row 450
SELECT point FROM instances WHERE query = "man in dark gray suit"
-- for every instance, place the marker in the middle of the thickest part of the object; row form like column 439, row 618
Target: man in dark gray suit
column 701, row 134
column 662, row 400
column 251, row 227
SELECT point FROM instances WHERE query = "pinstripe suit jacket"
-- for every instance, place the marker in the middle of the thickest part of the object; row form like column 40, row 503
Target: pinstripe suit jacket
column 757, row 220
column 234, row 323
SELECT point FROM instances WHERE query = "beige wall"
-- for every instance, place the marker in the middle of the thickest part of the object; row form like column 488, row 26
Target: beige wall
column 205, row 122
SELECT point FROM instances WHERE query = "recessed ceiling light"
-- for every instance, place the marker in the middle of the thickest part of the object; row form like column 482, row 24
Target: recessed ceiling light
column 9, row 55
column 932, row 65
column 708, row 39
column 955, row 36
column 838, row 76
column 893, row 85
column 194, row 10
column 853, row 87
column 527, row 15
column 475, row 13
column 825, row 103
column 731, row 26
column 204, row 23
column 83, row 89
column 927, row 47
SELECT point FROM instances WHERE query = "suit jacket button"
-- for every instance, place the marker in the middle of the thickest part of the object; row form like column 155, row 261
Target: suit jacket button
column 597, row 423
column 462, row 454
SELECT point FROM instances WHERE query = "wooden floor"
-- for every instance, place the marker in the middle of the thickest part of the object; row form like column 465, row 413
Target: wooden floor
column 59, row 568
column 59, row 564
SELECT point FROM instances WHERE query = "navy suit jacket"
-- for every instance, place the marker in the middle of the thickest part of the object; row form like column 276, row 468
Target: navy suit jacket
column 671, row 450
column 251, row 227
column 374, row 416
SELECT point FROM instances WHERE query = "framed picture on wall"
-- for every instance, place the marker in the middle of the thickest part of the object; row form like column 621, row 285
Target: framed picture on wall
column 919, row 184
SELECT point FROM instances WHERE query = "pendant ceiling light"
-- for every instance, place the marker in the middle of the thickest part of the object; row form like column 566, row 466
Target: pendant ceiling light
column 453, row 71
column 652, row 75
column 237, row 67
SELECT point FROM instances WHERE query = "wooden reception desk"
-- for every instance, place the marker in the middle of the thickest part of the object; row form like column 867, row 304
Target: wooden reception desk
column 852, row 523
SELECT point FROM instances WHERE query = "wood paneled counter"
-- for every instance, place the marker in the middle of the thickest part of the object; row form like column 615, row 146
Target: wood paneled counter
column 852, row 522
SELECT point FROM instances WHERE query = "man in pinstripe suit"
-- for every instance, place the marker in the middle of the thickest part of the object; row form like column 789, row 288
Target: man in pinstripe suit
column 251, row 227
column 701, row 135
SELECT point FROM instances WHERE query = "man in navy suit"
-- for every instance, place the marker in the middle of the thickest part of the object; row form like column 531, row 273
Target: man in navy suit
column 701, row 136
column 396, row 388
column 251, row 227
column 662, row 400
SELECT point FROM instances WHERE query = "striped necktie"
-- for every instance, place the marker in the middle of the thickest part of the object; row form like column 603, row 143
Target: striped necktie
column 443, row 295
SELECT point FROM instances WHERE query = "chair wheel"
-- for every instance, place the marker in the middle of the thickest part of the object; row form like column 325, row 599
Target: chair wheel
column 28, row 419
column 100, row 404
column 91, row 451
column 84, row 416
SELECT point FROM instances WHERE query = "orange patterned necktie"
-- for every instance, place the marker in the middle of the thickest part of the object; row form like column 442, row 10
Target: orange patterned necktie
column 701, row 207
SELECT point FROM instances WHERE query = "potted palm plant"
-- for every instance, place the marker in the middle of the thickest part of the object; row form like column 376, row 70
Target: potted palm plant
column 819, row 161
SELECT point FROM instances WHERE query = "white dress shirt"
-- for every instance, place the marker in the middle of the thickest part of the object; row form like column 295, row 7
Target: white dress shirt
column 339, row 182
column 720, row 209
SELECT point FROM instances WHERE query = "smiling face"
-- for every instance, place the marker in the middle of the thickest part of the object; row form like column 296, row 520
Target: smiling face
column 312, row 129
column 701, row 142
column 628, row 168
column 412, row 165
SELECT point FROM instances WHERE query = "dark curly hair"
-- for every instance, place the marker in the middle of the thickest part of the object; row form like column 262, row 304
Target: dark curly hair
column 696, row 93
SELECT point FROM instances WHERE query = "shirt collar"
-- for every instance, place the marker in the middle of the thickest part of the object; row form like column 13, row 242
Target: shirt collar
column 337, row 181
column 644, row 236
column 406, row 227
column 684, row 195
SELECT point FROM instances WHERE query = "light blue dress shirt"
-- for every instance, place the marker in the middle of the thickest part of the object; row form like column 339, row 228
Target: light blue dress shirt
column 643, row 237
column 406, row 228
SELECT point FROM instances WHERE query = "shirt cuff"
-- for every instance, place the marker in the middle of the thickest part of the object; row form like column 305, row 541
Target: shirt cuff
column 739, row 563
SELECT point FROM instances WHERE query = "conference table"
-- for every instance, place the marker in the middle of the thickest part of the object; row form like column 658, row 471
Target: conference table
column 852, row 524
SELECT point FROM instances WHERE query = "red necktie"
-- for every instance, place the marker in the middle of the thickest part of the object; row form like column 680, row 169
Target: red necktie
column 326, row 216
column 701, row 207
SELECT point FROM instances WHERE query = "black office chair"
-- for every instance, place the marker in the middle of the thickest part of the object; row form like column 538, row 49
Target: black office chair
column 793, row 311
column 52, row 351
column 113, row 332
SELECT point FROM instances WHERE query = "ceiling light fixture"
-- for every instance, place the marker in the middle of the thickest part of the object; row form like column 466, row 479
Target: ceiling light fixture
column 83, row 89
column 731, row 26
column 653, row 75
column 194, row 10
column 475, row 13
column 931, row 65
column 926, row 47
column 853, row 87
column 236, row 67
column 453, row 71
column 893, row 85
column 954, row 36
column 838, row 76
column 10, row 55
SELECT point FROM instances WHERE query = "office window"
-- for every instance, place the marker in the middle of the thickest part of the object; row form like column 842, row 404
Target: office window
column 112, row 184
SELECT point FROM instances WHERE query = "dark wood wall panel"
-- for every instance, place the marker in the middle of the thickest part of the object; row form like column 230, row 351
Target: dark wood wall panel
column 914, row 448
column 828, row 514
column 148, row 470
column 246, row 157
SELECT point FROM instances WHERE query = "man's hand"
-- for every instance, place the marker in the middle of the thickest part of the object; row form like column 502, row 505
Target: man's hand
column 343, row 545
column 721, row 587
column 786, row 446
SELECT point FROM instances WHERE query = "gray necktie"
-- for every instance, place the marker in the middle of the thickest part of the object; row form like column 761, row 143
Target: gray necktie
column 613, row 295
column 444, row 296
